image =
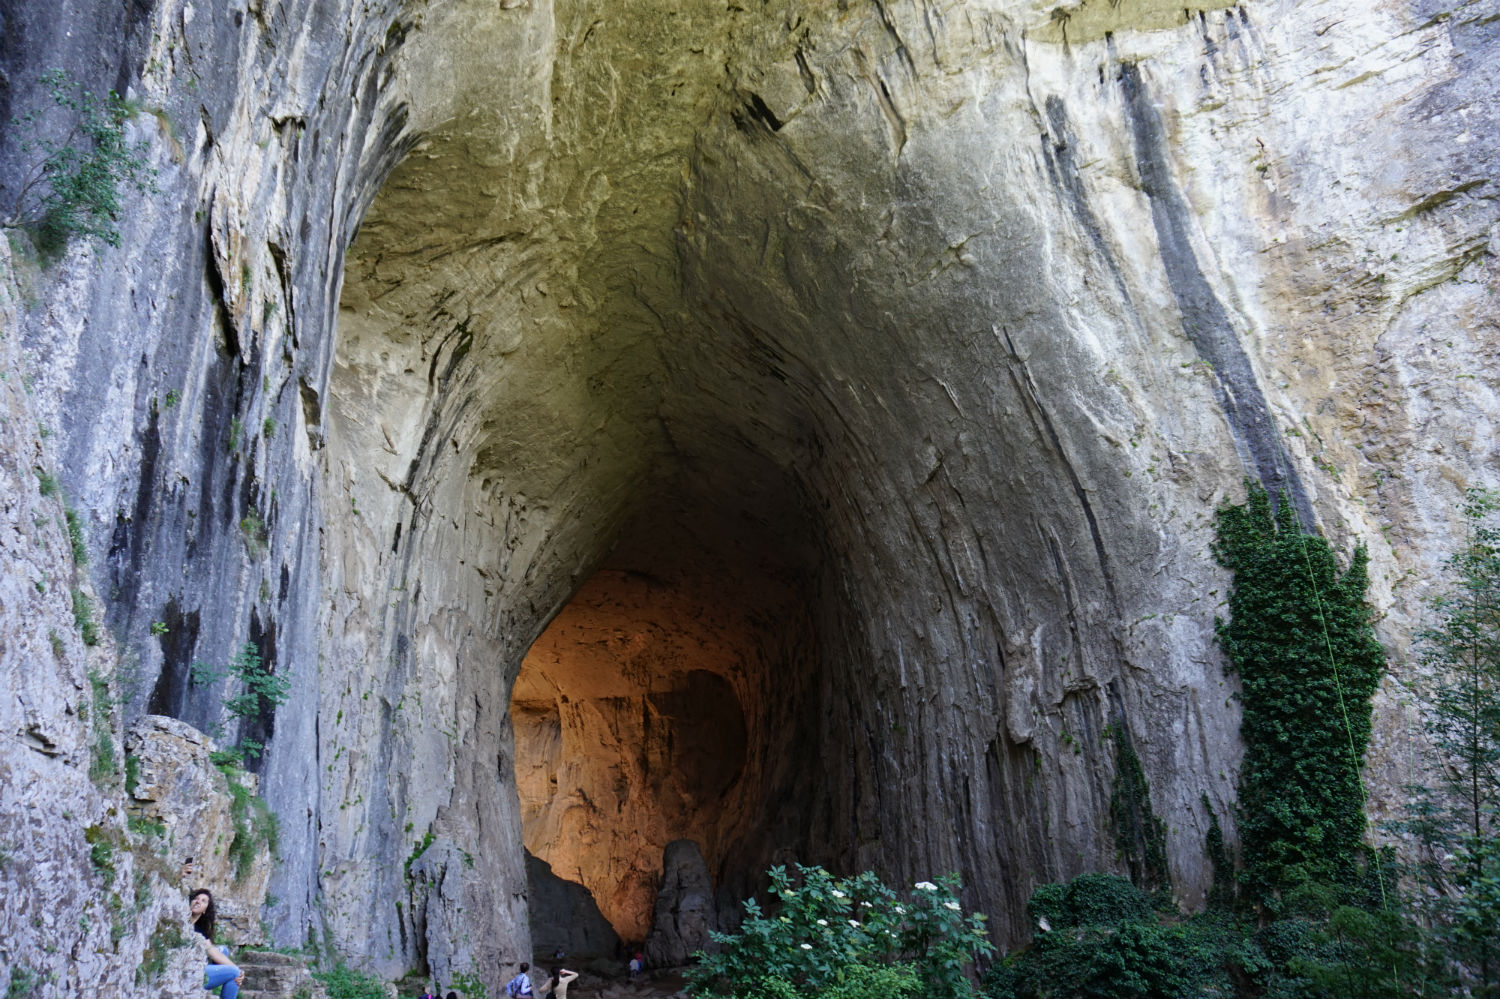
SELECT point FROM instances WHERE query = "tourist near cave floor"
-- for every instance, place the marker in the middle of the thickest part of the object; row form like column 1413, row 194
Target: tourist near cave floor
column 667, row 982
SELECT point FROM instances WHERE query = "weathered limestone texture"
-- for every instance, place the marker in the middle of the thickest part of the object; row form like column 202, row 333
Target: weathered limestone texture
column 947, row 323
column 177, row 786
column 87, row 900
column 684, row 914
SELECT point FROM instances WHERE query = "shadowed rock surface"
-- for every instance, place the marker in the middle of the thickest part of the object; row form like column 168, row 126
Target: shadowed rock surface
column 900, row 352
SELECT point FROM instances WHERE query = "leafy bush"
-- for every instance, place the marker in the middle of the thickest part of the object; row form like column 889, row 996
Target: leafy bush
column 264, row 690
column 343, row 982
column 1089, row 900
column 849, row 937
column 74, row 183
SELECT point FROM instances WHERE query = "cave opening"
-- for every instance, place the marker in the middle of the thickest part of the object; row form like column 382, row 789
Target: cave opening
column 664, row 702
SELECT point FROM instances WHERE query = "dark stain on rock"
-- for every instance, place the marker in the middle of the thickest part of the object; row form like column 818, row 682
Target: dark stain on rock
column 1205, row 321
column 261, row 726
column 169, row 694
column 1062, row 169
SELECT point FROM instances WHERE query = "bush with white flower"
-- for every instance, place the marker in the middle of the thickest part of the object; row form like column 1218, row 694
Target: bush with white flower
column 846, row 938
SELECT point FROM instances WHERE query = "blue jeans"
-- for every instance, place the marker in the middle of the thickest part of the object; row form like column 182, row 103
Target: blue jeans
column 222, row 974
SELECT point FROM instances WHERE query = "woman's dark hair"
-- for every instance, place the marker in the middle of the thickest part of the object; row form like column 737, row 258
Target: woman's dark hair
column 556, row 975
column 204, row 924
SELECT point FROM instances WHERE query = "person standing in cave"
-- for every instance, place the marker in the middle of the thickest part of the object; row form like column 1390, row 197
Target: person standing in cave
column 218, row 970
column 558, row 982
column 519, row 987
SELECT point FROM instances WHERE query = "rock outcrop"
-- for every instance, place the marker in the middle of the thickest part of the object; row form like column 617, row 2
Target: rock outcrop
column 937, row 328
column 563, row 916
column 684, row 914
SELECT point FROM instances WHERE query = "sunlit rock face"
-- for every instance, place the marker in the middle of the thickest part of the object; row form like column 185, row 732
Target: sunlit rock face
column 662, row 703
column 865, row 372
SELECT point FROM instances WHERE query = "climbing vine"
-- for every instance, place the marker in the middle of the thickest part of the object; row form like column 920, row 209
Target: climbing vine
column 1300, row 638
column 1140, row 836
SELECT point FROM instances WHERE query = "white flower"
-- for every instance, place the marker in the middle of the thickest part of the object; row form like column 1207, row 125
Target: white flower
column 900, row 911
column 854, row 923
column 822, row 922
column 806, row 946
column 837, row 893
column 926, row 886
column 952, row 905
column 866, row 905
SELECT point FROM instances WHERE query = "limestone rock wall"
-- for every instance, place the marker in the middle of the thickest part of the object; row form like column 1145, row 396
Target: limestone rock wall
column 976, row 309
column 98, row 816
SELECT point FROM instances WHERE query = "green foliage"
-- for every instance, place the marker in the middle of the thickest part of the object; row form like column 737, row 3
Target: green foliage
column 825, row 934
column 1089, row 900
column 46, row 482
column 164, row 939
column 1221, row 892
column 417, row 851
column 469, row 985
column 74, row 183
column 877, row 981
column 132, row 773
column 1320, row 950
column 159, row 628
column 255, row 825
column 102, row 768
column 101, row 852
column 1360, row 953
column 268, row 428
column 172, row 399
column 254, row 530
column 264, row 690
column 83, row 617
column 75, row 537
column 1458, row 821
column 26, row 983
column 1140, row 837
column 343, row 982
column 1299, row 636
column 236, row 428
column 1103, row 939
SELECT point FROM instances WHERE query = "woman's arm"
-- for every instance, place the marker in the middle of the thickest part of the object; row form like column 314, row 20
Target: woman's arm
column 215, row 955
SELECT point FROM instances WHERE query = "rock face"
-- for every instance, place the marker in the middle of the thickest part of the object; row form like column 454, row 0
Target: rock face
column 684, row 913
column 177, row 787
column 930, row 333
column 564, row 916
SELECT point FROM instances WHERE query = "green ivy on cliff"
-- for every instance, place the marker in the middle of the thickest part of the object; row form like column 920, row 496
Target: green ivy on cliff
column 1300, row 638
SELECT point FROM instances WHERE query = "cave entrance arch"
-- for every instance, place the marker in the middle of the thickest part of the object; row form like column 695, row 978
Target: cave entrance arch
column 666, row 701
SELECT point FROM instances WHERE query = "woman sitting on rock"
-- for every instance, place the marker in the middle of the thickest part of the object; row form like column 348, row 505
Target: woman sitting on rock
column 218, row 970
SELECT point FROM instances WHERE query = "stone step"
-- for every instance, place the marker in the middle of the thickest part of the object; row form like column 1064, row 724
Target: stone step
column 269, row 975
column 268, row 959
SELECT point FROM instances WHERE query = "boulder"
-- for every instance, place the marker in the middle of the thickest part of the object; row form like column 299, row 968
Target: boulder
column 684, row 914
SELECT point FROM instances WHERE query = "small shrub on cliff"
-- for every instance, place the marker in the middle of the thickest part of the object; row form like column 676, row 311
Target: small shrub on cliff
column 79, row 164
column 852, row 937
column 264, row 690
column 83, row 617
column 256, row 827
